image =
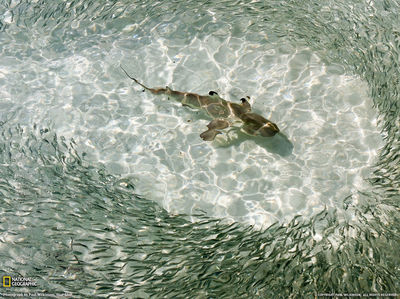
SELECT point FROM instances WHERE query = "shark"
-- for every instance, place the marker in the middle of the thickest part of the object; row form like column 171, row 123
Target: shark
column 224, row 113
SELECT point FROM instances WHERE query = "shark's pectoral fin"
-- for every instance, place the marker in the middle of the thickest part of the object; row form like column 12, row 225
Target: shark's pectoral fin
column 209, row 135
column 218, row 124
column 213, row 127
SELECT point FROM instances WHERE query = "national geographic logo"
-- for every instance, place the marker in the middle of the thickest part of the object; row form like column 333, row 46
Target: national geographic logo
column 6, row 281
column 11, row 281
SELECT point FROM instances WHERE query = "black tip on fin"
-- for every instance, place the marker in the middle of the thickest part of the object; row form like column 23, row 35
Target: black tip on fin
column 212, row 93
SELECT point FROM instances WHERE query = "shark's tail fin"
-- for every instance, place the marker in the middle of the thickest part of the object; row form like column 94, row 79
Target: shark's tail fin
column 145, row 87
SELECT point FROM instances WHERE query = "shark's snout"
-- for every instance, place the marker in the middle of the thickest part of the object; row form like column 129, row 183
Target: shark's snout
column 268, row 130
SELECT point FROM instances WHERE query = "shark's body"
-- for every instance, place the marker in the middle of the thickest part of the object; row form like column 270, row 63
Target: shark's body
column 224, row 113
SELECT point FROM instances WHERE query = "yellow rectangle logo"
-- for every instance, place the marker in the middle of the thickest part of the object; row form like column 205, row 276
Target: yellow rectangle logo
column 6, row 281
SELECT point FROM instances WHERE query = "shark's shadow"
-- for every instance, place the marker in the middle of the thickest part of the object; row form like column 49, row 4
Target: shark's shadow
column 278, row 144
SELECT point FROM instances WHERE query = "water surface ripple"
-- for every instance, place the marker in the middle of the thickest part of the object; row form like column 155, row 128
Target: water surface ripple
column 74, row 149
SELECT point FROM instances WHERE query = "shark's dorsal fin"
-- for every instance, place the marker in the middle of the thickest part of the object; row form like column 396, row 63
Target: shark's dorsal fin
column 245, row 104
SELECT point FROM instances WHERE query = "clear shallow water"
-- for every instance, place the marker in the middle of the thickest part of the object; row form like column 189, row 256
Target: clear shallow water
column 321, row 158
column 60, row 75
column 329, row 133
